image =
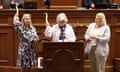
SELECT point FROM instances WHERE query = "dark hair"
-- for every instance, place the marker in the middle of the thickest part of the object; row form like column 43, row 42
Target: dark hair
column 47, row 3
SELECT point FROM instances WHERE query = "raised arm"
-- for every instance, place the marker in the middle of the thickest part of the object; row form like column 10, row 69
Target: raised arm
column 16, row 16
column 48, row 30
column 16, row 21
column 46, row 19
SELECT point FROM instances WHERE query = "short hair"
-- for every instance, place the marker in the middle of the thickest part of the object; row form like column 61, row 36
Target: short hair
column 61, row 17
column 102, row 16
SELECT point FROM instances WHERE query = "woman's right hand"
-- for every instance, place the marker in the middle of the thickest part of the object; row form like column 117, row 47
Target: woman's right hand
column 17, row 4
column 17, row 8
column 16, row 16
column 46, row 19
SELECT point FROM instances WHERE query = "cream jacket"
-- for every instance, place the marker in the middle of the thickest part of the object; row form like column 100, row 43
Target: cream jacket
column 102, row 47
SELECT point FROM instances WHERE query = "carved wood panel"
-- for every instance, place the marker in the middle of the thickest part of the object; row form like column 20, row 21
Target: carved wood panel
column 63, row 57
column 6, row 46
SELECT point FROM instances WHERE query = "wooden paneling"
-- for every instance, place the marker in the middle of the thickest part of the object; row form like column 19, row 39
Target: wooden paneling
column 6, row 46
column 79, row 19
column 63, row 2
column 116, row 63
column 30, row 0
column 57, row 4
column 116, row 1
column 116, row 42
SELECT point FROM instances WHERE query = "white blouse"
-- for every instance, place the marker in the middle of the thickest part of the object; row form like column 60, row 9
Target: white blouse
column 54, row 33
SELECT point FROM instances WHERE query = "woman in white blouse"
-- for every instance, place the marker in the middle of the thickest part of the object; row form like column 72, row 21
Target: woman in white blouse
column 60, row 32
column 97, row 37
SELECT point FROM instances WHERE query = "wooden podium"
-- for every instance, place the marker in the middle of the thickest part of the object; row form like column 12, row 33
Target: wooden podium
column 63, row 57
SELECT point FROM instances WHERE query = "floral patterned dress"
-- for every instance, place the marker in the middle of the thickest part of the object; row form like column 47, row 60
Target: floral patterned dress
column 26, row 50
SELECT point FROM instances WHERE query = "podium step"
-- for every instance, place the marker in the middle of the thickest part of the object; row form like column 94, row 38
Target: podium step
column 35, row 69
column 107, row 68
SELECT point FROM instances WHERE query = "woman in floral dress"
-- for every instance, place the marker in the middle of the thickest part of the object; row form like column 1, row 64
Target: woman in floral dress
column 28, row 37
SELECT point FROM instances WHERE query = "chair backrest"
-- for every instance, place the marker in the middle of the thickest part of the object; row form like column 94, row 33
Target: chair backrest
column 101, row 5
column 30, row 5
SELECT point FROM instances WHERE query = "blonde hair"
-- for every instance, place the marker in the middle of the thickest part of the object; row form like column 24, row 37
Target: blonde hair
column 102, row 16
column 23, row 17
column 61, row 17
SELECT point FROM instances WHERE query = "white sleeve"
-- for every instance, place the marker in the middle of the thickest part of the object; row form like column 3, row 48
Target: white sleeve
column 71, row 37
column 48, row 31
column 106, row 36
column 86, row 36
